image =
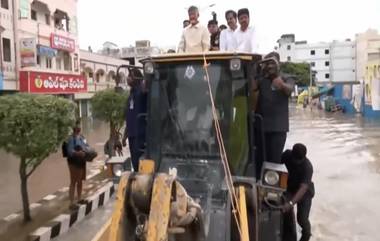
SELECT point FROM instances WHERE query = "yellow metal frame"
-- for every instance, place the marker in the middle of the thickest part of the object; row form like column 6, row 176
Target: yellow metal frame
column 243, row 215
column 160, row 208
column 146, row 167
column 119, row 212
column 199, row 56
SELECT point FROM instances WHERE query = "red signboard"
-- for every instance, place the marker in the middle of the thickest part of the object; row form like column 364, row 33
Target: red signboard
column 63, row 43
column 50, row 83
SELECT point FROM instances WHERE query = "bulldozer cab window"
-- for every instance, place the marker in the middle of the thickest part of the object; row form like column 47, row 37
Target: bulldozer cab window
column 181, row 103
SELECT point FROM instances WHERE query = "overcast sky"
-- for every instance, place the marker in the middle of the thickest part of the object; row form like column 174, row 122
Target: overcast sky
column 124, row 21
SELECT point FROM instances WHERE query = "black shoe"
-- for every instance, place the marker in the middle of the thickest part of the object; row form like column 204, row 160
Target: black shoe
column 73, row 207
column 82, row 202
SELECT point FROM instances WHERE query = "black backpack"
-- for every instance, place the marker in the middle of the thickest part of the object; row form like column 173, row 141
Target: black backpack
column 64, row 149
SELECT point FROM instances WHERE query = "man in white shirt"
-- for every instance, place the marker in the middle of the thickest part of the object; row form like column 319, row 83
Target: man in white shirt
column 195, row 37
column 227, row 38
column 246, row 35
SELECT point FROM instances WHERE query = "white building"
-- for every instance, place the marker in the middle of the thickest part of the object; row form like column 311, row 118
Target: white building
column 334, row 62
column 141, row 50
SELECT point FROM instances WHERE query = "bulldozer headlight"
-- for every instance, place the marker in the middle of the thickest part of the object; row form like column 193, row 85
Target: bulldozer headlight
column 235, row 64
column 274, row 175
column 272, row 178
column 117, row 169
column 149, row 68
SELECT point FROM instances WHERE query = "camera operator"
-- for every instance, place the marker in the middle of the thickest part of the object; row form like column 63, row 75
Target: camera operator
column 274, row 90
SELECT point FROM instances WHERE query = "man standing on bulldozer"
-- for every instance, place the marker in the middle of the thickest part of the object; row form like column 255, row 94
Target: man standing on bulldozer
column 273, row 106
column 135, row 126
column 195, row 37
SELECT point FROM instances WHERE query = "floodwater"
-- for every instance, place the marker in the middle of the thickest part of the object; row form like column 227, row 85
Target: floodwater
column 345, row 152
column 50, row 176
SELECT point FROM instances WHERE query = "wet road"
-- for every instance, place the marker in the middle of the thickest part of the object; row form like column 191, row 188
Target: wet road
column 50, row 176
column 345, row 152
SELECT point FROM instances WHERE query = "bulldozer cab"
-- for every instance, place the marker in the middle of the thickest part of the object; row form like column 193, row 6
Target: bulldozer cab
column 180, row 119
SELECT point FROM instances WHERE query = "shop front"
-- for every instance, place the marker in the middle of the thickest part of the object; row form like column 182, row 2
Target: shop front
column 64, row 85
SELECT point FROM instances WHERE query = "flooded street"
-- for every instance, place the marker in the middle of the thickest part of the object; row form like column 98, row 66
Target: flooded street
column 343, row 149
column 50, row 176
column 346, row 157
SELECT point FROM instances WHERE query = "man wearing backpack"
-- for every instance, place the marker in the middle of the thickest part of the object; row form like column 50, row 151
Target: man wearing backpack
column 76, row 157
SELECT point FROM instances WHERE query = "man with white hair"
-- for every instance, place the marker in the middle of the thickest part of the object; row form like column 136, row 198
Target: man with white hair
column 195, row 37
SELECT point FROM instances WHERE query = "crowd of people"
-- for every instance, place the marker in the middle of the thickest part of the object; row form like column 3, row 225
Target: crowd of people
column 234, row 38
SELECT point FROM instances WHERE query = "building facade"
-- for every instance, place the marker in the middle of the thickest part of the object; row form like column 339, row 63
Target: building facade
column 334, row 62
column 39, row 47
column 40, row 53
column 7, row 41
column 47, row 47
column 100, row 72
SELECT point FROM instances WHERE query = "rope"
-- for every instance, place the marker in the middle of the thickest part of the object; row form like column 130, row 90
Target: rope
column 223, row 155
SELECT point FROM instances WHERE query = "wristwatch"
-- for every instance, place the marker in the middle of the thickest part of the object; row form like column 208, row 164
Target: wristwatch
column 291, row 203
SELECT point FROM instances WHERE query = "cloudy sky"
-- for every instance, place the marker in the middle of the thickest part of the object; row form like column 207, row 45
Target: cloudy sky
column 124, row 21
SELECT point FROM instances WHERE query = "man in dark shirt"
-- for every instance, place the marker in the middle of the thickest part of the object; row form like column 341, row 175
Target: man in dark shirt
column 300, row 191
column 215, row 34
column 135, row 127
column 273, row 99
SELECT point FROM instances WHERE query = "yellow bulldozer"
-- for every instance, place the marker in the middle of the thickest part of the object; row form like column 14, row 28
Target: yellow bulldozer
column 198, row 179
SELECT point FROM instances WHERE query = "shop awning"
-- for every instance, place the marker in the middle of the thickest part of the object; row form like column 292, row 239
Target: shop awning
column 61, row 14
column 46, row 51
column 324, row 91
column 42, row 7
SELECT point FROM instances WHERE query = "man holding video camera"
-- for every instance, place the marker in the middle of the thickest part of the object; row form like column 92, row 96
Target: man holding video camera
column 273, row 99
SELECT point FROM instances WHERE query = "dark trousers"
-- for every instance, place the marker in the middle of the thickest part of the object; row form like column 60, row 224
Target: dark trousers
column 275, row 142
column 274, row 146
column 134, row 148
column 303, row 211
column 289, row 228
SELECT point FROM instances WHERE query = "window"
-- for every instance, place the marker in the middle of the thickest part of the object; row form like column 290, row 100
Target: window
column 76, row 67
column 289, row 47
column 61, row 20
column 327, row 51
column 289, row 58
column 327, row 63
column 6, row 50
column 47, row 19
column 58, row 62
column 38, row 59
column 33, row 14
column 312, row 52
column 48, row 63
column 5, row 4
column 327, row 76
column 67, row 61
column 312, row 64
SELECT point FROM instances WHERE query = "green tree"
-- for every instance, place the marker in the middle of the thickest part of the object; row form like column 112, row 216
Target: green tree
column 32, row 127
column 109, row 106
column 301, row 72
